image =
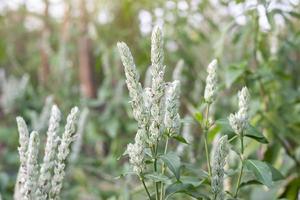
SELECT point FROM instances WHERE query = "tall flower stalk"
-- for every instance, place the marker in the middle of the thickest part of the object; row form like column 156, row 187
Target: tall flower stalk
column 49, row 157
column 239, row 122
column 23, row 142
column 63, row 151
column 209, row 97
column 30, row 185
column 155, row 109
column 136, row 150
column 171, row 118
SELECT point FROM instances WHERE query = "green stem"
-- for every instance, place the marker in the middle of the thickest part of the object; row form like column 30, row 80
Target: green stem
column 155, row 169
column 242, row 167
column 215, row 197
column 233, row 138
column 207, row 154
column 239, row 181
column 163, row 169
column 205, row 140
column 144, row 184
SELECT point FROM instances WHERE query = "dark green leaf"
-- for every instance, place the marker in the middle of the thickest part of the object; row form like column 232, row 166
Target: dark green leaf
column 179, row 138
column 195, row 170
column 251, row 182
column 295, row 14
column 148, row 161
column 276, row 174
column 173, row 163
column 157, row 177
column 225, row 126
column 264, row 172
column 233, row 73
column 291, row 189
column 186, row 188
column 191, row 180
column 253, row 133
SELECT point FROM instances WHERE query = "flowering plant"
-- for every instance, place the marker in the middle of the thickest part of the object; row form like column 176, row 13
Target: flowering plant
column 44, row 181
column 156, row 110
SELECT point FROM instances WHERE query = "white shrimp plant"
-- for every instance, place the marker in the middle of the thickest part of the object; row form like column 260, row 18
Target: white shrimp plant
column 156, row 109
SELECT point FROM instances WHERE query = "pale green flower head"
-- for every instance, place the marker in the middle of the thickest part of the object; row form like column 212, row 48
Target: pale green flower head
column 211, row 82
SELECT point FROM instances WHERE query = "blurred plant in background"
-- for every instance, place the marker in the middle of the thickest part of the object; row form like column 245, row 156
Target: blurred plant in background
column 12, row 91
column 68, row 49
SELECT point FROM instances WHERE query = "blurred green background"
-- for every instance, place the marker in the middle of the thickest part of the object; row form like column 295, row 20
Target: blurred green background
column 64, row 52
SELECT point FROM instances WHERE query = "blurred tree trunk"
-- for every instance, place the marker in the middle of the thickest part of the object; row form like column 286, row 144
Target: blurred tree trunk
column 86, row 72
column 45, row 46
column 64, row 39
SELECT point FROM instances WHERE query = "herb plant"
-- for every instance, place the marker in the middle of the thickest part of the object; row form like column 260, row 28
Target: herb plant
column 156, row 110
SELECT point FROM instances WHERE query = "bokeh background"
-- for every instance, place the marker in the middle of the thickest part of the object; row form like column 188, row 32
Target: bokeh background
column 64, row 52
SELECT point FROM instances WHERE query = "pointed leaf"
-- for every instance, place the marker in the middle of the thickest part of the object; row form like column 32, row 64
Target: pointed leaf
column 225, row 126
column 191, row 180
column 185, row 188
column 264, row 172
column 179, row 138
column 253, row 133
column 233, row 73
column 199, row 117
column 157, row 177
column 173, row 163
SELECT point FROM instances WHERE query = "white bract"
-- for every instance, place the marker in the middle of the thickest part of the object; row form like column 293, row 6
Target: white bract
column 153, row 108
column 50, row 153
column 172, row 118
column 239, row 120
column 211, row 82
column 30, row 186
column 23, row 142
column 136, row 152
column 158, row 84
column 218, row 163
column 63, row 151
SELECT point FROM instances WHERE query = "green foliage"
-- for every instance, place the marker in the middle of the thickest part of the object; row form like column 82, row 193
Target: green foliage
column 267, row 62
column 172, row 161
column 264, row 172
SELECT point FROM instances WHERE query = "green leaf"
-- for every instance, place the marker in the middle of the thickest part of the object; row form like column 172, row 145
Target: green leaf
column 212, row 133
column 173, row 163
column 253, row 133
column 295, row 14
column 195, row 170
column 291, row 189
column 157, row 177
column 264, row 172
column 149, row 161
column 125, row 173
column 251, row 182
column 186, row 188
column 179, row 138
column 276, row 174
column 191, row 180
column 234, row 72
column 176, row 188
column 225, row 126
column 199, row 117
